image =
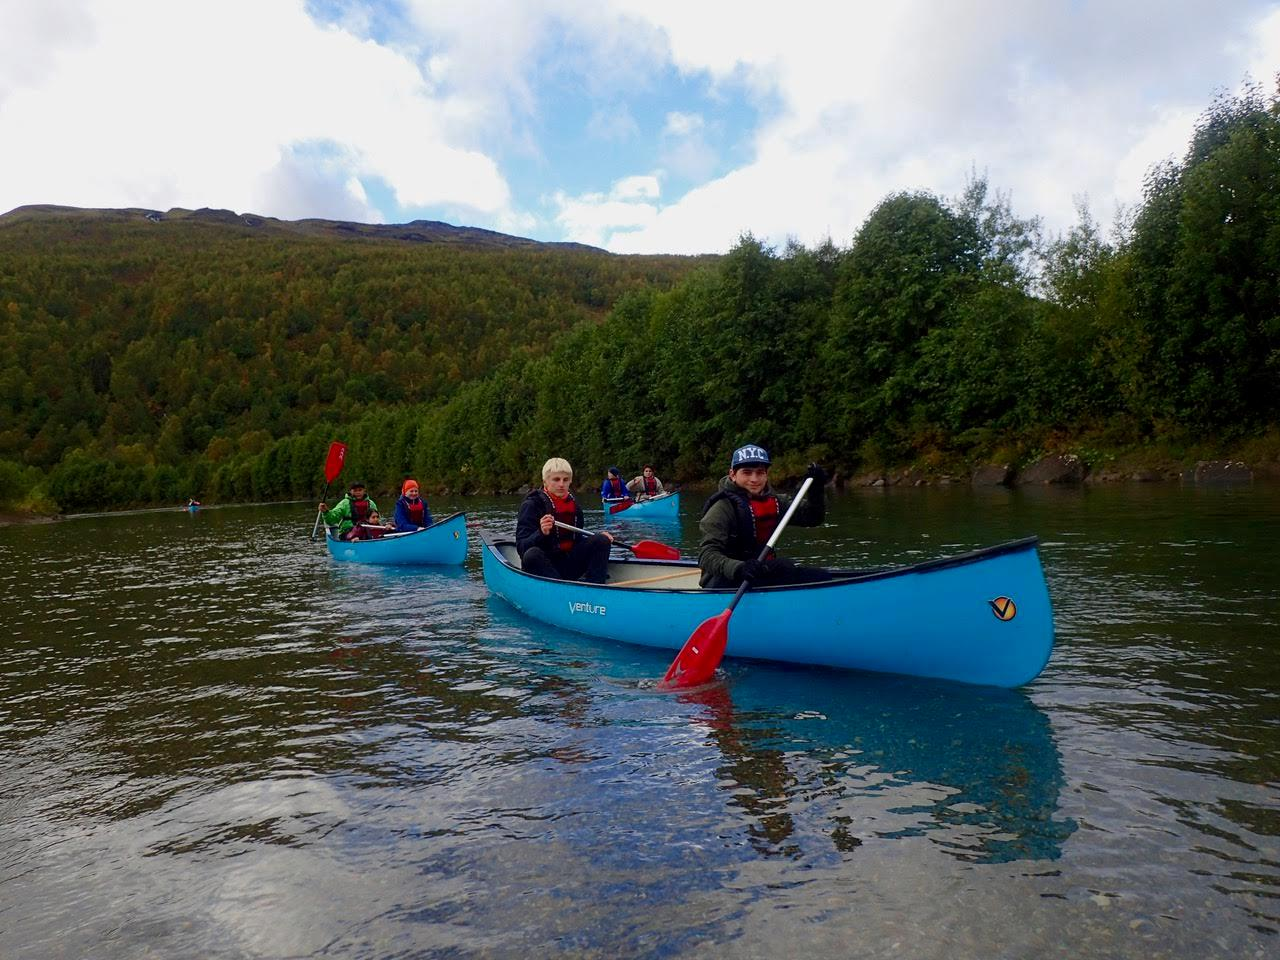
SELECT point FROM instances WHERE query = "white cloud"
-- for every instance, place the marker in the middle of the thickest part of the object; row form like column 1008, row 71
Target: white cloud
column 35, row 37
column 636, row 188
column 613, row 123
column 1051, row 101
column 597, row 218
column 1262, row 51
column 683, row 124
column 161, row 103
column 252, row 105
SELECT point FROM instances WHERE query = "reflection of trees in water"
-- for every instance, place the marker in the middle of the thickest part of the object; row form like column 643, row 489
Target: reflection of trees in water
column 857, row 741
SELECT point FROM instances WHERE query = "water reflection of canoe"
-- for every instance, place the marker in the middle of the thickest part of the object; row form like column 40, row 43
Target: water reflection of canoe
column 810, row 759
column 443, row 542
column 665, row 507
column 791, row 736
column 982, row 617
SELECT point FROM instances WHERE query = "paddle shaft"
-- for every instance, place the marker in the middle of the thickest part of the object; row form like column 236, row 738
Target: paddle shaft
column 777, row 532
column 333, row 463
column 320, row 513
column 569, row 526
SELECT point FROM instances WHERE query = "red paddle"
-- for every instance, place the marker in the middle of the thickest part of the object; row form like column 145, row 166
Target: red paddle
column 702, row 652
column 332, row 467
column 644, row 549
column 621, row 505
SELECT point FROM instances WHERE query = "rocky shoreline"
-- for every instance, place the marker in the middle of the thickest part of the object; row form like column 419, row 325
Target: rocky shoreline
column 1071, row 469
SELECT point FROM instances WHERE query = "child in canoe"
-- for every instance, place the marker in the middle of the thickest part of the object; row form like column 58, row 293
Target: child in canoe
column 372, row 529
column 550, row 551
column 412, row 512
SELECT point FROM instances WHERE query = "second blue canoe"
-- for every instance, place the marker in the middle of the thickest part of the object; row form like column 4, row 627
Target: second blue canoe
column 443, row 542
column 665, row 507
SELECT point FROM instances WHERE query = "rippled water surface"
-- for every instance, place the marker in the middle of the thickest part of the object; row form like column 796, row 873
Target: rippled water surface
column 217, row 742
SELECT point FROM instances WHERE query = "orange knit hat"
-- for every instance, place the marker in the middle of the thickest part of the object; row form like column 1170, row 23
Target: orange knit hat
column 407, row 484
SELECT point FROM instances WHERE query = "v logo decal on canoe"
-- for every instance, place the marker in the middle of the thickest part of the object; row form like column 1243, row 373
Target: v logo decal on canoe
column 1004, row 608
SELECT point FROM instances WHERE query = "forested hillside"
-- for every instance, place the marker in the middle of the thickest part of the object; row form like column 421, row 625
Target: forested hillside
column 148, row 365
column 147, row 354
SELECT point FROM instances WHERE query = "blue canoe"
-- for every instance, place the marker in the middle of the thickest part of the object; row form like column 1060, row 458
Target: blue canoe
column 664, row 507
column 982, row 617
column 445, row 541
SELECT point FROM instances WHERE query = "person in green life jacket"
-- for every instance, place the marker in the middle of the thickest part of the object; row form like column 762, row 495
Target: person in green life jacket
column 742, row 514
column 355, row 507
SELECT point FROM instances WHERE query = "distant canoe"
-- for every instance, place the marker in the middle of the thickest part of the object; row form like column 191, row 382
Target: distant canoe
column 664, row 507
column 982, row 617
column 443, row 542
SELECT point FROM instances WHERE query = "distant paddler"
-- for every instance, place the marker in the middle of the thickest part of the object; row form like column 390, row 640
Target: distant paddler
column 646, row 486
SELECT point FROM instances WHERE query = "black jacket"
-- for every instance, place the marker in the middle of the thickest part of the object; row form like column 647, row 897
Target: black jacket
column 537, row 505
column 728, row 533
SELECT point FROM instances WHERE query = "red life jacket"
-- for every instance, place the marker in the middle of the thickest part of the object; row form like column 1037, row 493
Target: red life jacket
column 650, row 485
column 417, row 510
column 360, row 509
column 616, row 487
column 754, row 522
column 566, row 511
column 766, row 514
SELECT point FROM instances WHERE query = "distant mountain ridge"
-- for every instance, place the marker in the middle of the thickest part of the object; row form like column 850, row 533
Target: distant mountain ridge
column 416, row 231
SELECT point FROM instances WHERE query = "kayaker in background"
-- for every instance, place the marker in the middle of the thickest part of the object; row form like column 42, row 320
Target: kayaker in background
column 550, row 551
column 354, row 508
column 613, row 488
column 739, row 518
column 646, row 485
column 412, row 512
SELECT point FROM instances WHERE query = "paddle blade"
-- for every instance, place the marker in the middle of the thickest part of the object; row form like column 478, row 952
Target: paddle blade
column 700, row 655
column 334, row 461
column 653, row 550
column 621, row 505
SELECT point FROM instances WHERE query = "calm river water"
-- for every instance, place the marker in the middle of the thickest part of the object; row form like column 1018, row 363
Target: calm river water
column 218, row 743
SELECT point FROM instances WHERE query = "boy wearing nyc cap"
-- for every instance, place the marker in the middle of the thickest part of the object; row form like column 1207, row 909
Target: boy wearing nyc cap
column 739, row 518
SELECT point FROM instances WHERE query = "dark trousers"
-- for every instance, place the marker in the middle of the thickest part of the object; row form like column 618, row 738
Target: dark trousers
column 784, row 574
column 588, row 560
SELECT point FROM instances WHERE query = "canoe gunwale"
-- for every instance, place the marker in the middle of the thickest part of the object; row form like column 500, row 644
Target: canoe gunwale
column 399, row 535
column 842, row 578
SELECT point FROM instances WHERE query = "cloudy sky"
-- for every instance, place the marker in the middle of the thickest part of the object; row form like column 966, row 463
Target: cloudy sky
column 636, row 125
